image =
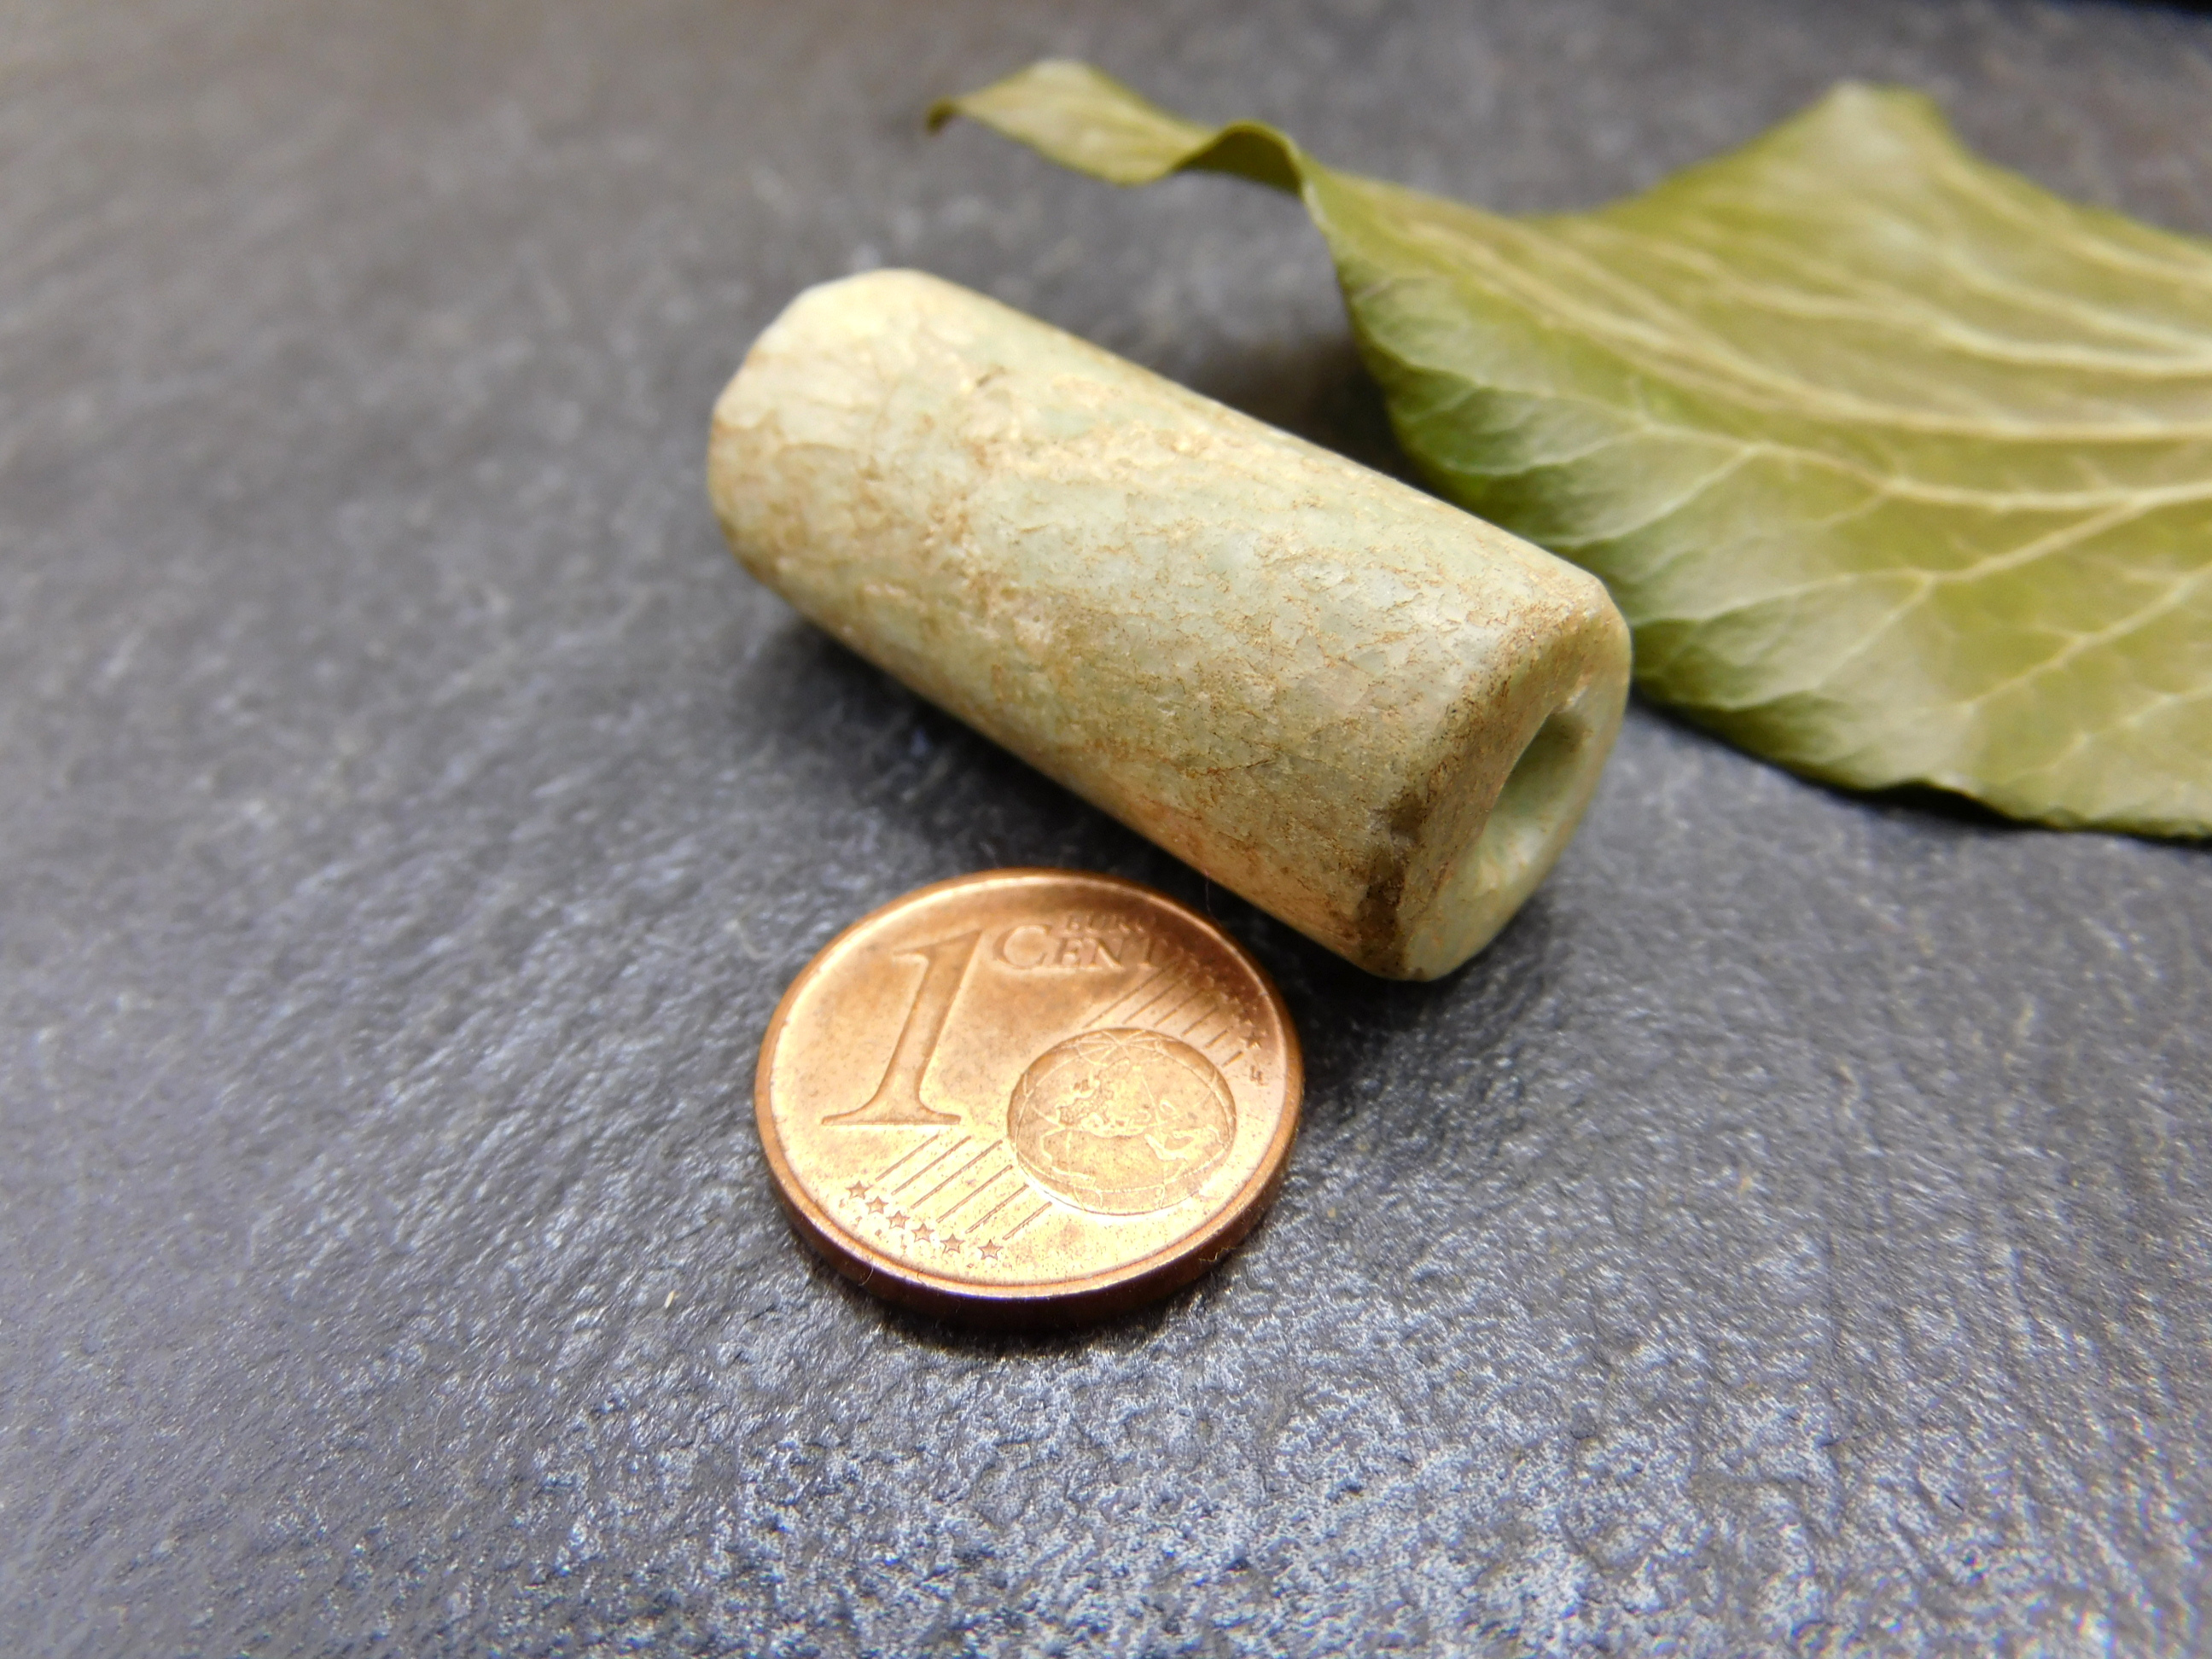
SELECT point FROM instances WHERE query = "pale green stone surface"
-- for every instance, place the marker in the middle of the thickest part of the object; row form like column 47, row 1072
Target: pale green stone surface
column 1367, row 712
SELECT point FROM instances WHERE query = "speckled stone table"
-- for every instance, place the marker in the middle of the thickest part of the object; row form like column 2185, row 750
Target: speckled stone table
column 1790, row 1237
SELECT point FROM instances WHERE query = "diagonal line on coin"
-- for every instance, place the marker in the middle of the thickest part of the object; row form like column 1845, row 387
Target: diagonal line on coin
column 1174, row 984
column 976, row 1192
column 1176, row 1006
column 1209, row 1012
column 955, row 1175
column 1151, row 974
column 932, row 1164
column 929, row 1141
column 995, row 1208
column 1006, row 1236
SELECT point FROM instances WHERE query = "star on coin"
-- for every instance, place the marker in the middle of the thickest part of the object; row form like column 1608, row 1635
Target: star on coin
column 876, row 1204
column 898, row 1217
column 989, row 1249
column 921, row 1231
column 858, row 1190
column 951, row 1245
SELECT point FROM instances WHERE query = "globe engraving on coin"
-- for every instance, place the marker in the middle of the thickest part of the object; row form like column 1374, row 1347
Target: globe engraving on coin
column 1028, row 1095
column 1121, row 1122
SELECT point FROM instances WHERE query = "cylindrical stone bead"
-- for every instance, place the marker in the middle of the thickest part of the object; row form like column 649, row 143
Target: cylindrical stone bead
column 1375, row 716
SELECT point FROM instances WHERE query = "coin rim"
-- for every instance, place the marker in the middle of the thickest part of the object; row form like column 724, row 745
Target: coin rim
column 1066, row 1300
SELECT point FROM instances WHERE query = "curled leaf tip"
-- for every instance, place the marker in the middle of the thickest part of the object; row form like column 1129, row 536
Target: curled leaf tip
column 1083, row 119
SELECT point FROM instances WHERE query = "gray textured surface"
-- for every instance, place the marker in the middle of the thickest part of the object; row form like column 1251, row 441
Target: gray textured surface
column 1791, row 1236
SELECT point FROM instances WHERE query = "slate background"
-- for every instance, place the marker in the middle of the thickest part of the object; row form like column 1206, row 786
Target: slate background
column 1790, row 1237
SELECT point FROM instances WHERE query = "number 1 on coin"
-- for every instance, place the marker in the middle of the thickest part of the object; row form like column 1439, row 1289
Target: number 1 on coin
column 898, row 1099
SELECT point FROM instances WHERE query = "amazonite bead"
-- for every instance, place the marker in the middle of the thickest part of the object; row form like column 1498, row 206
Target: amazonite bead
column 1373, row 715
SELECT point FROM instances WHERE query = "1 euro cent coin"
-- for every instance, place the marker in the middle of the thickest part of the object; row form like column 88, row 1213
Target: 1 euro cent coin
column 1029, row 1097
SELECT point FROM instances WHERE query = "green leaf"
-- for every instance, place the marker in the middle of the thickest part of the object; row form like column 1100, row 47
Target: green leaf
column 1899, row 466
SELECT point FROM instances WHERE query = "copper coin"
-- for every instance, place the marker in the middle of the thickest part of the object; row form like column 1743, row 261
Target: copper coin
column 1028, row 1095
